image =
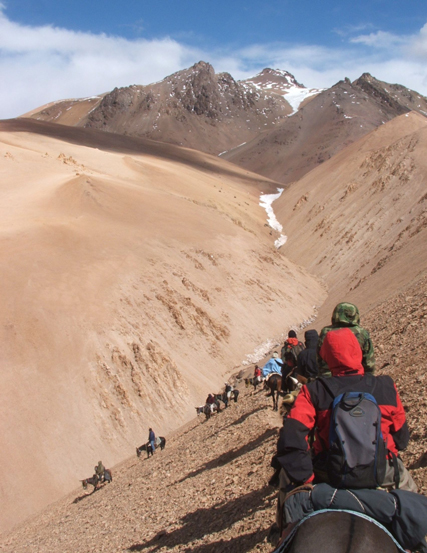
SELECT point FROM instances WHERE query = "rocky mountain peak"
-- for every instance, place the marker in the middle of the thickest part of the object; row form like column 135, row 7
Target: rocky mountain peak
column 382, row 93
column 178, row 108
column 366, row 77
column 278, row 75
column 275, row 80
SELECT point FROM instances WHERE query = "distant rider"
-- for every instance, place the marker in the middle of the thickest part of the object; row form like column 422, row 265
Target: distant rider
column 152, row 439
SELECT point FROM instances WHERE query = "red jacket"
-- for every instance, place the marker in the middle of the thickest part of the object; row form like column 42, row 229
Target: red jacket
column 312, row 409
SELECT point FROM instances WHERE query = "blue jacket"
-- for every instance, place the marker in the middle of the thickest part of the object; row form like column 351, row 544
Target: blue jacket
column 274, row 365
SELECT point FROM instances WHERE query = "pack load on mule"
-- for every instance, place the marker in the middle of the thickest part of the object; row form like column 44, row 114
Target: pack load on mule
column 341, row 531
column 399, row 512
column 344, row 432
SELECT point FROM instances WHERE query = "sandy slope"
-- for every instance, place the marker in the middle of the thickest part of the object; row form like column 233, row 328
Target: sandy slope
column 134, row 277
column 359, row 220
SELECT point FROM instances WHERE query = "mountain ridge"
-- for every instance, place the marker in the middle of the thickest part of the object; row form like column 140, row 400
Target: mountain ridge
column 270, row 123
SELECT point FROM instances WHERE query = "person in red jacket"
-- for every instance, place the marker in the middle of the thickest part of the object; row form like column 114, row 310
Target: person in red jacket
column 296, row 461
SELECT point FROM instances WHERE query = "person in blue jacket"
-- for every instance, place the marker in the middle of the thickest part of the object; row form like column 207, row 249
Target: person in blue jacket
column 152, row 439
column 273, row 365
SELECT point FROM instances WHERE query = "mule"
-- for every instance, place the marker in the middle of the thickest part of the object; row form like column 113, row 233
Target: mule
column 93, row 481
column 209, row 409
column 339, row 532
column 234, row 395
column 147, row 447
column 274, row 384
column 96, row 480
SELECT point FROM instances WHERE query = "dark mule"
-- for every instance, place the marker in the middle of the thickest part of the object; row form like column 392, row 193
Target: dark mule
column 96, row 480
column 147, row 447
column 93, row 481
column 234, row 395
column 210, row 408
column 254, row 381
column 274, row 384
column 339, row 532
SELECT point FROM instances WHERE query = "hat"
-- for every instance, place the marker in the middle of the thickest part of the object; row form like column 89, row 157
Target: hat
column 292, row 334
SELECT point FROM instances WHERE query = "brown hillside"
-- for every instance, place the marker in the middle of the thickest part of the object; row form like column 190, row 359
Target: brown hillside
column 134, row 277
column 331, row 121
column 359, row 220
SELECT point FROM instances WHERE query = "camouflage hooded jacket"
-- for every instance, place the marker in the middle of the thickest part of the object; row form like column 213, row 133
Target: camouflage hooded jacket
column 347, row 315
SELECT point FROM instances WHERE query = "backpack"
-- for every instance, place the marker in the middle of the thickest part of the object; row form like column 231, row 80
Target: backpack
column 357, row 451
column 290, row 353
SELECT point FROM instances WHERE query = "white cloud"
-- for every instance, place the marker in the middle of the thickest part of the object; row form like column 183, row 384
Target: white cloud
column 41, row 64
column 381, row 39
column 45, row 63
column 418, row 47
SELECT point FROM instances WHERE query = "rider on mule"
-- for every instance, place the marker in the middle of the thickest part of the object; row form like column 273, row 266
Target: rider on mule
column 273, row 366
column 292, row 347
column 99, row 471
column 152, row 439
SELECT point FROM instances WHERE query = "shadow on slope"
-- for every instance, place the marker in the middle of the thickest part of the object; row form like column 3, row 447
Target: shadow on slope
column 230, row 456
column 243, row 543
column 214, row 519
column 112, row 142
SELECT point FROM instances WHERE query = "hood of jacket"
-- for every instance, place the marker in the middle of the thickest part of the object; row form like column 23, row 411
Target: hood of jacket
column 345, row 314
column 342, row 352
column 311, row 338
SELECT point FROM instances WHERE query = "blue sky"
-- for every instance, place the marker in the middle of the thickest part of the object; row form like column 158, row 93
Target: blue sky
column 51, row 50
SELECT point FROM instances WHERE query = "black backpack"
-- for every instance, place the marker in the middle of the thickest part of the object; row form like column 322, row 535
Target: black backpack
column 290, row 353
column 357, row 451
